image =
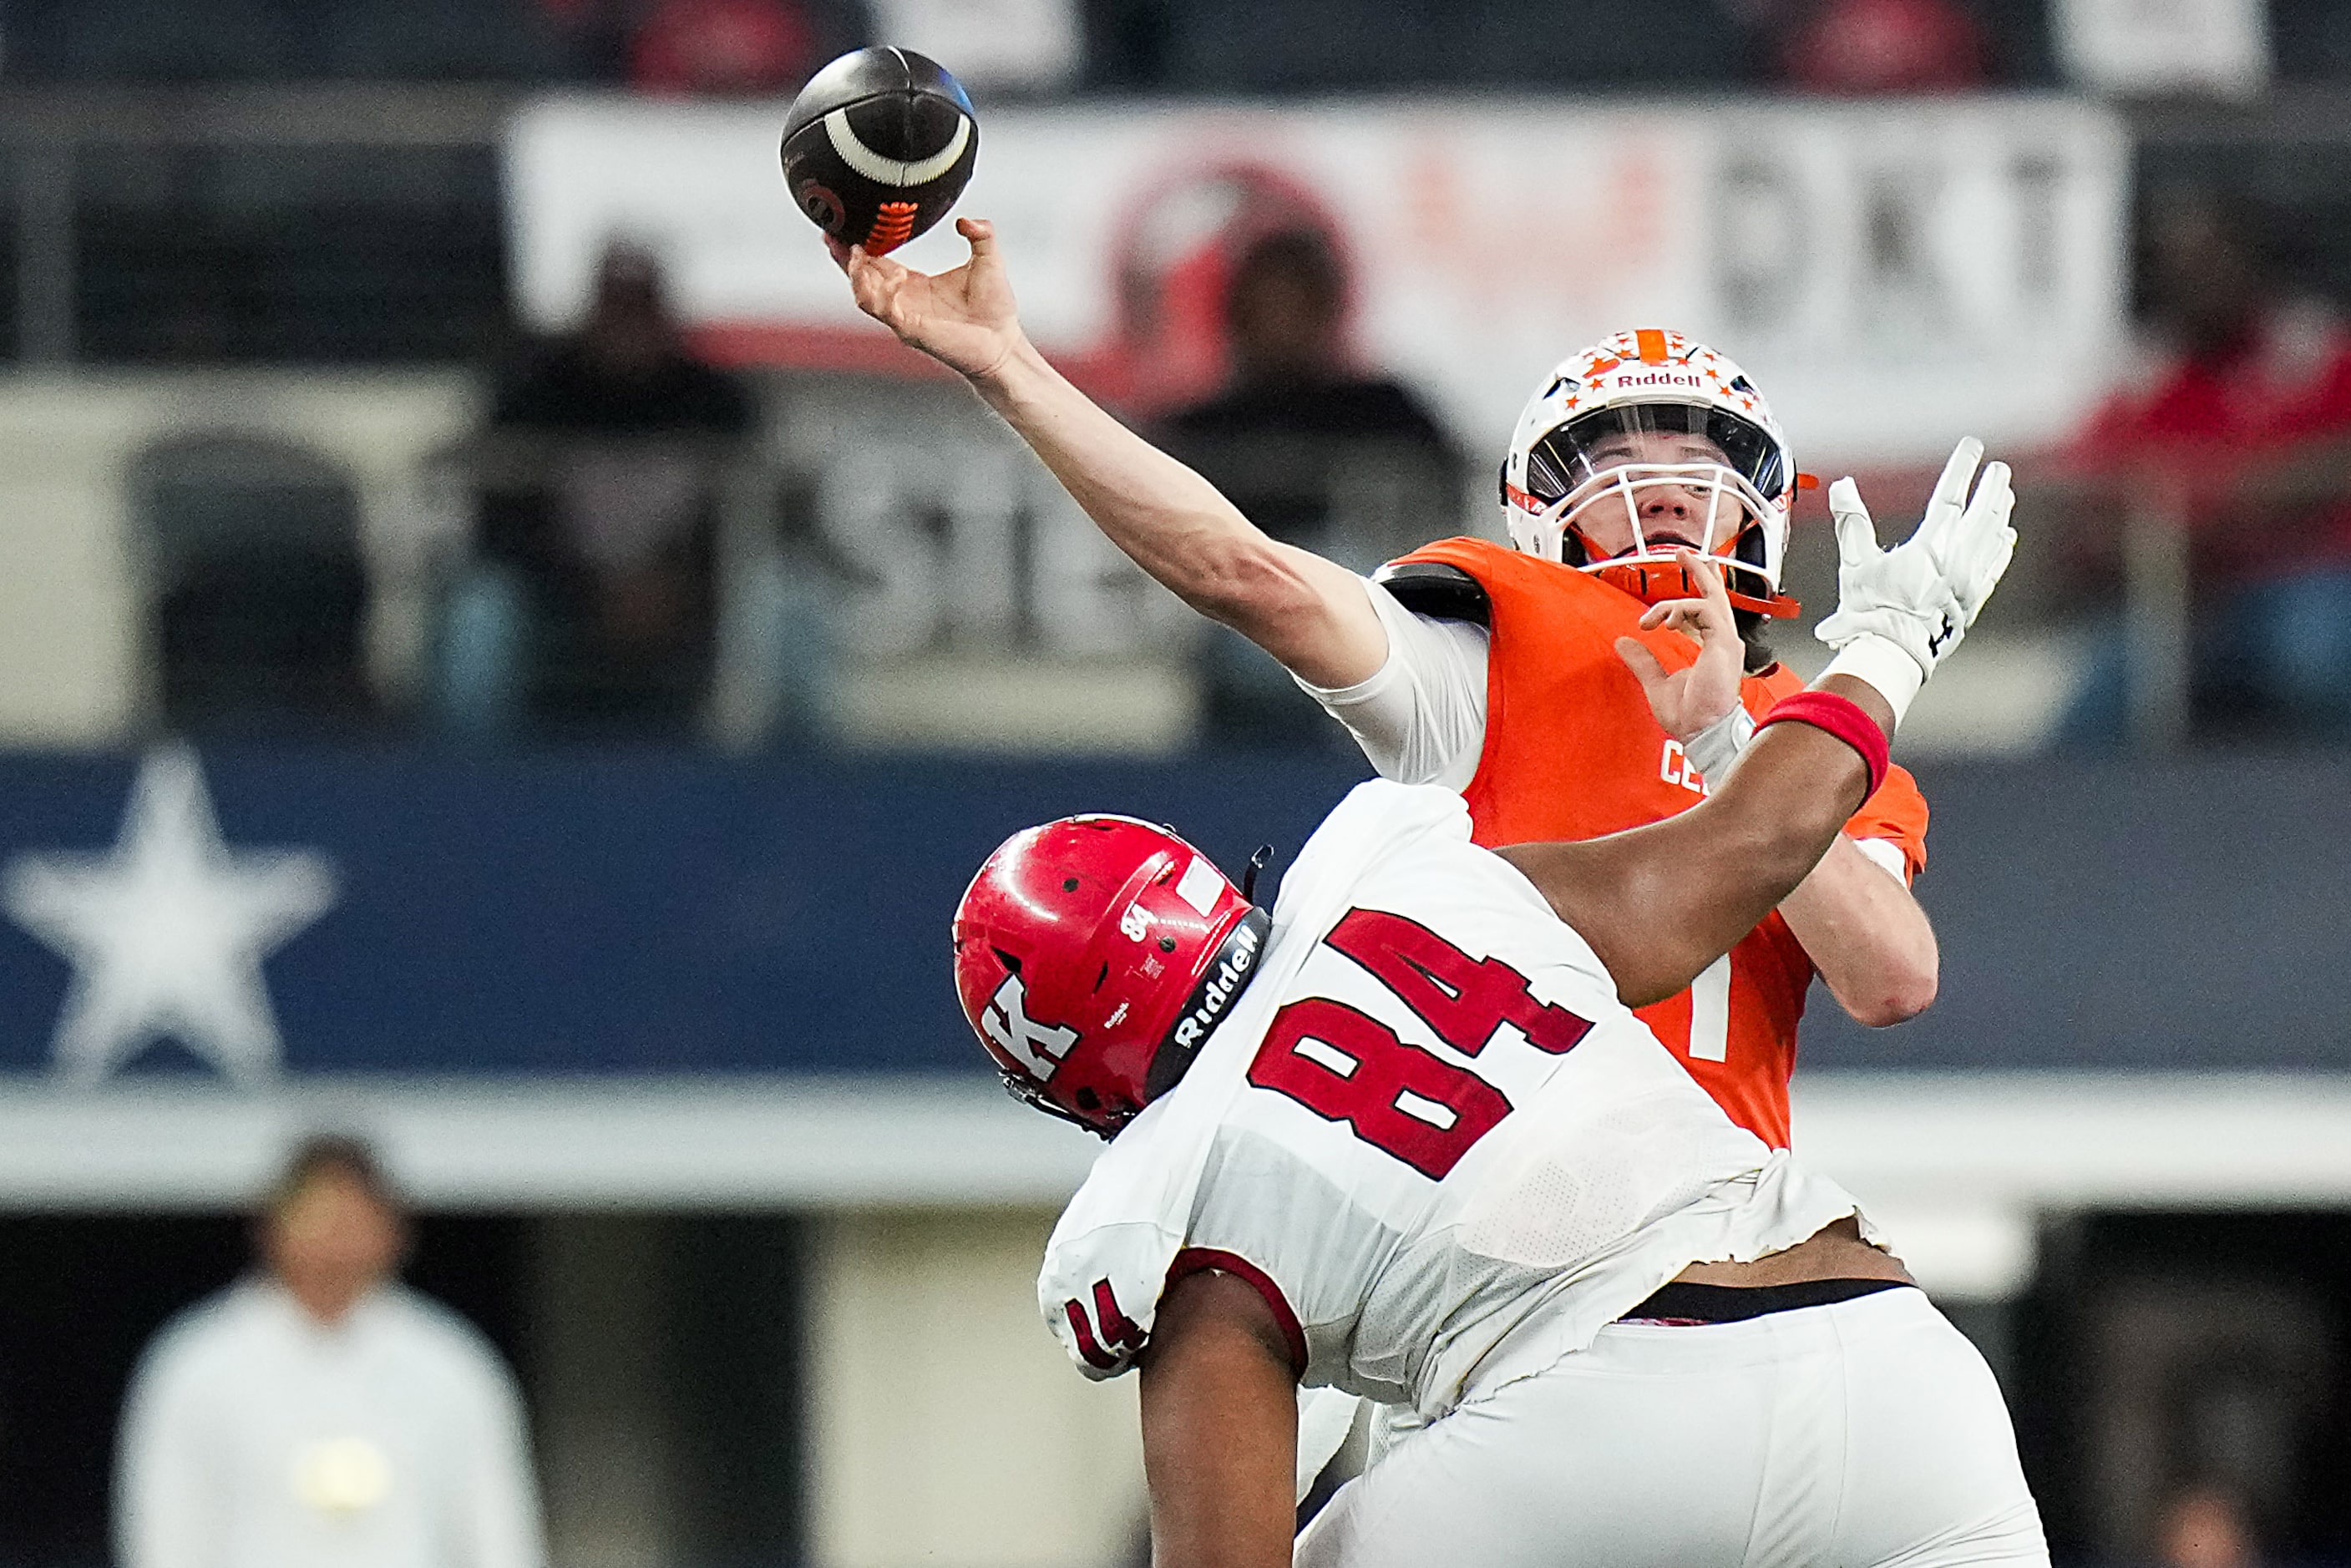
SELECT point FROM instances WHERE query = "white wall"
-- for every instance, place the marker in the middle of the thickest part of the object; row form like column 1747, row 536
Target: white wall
column 946, row 1424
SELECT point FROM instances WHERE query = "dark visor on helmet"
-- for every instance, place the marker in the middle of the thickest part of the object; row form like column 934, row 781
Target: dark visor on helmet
column 1572, row 453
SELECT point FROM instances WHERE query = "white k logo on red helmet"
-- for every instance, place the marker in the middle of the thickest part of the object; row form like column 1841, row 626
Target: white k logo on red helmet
column 1039, row 1047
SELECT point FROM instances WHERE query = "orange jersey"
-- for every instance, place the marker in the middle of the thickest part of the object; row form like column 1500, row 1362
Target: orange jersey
column 1572, row 751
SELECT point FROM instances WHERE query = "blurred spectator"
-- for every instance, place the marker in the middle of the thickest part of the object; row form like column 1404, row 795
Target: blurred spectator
column 1314, row 451
column 593, row 599
column 320, row 1414
column 1883, row 46
column 2241, row 429
column 734, row 47
column 2205, row 1527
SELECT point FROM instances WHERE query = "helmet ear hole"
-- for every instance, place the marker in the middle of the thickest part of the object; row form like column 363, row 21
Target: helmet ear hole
column 1088, row 1100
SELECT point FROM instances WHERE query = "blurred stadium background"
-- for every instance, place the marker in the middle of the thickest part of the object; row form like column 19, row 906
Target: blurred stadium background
column 446, row 494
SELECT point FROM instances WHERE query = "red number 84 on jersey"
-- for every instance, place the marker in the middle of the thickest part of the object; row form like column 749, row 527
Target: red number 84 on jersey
column 1345, row 1065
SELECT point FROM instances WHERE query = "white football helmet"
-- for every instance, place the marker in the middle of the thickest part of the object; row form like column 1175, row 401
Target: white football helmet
column 1592, row 437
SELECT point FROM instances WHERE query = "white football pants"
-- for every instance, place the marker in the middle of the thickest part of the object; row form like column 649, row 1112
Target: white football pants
column 1867, row 1432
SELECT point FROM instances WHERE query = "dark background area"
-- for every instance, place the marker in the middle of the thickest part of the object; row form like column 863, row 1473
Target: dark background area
column 80, row 1296
column 2239, row 1392
column 258, row 203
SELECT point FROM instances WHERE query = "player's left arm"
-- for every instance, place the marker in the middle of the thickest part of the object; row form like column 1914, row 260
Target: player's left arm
column 1866, row 935
column 1219, row 1427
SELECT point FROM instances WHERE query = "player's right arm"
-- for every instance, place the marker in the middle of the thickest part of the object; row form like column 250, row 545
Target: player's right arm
column 1220, row 1428
column 1310, row 614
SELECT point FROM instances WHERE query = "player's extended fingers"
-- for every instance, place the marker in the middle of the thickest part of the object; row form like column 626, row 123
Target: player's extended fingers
column 1714, row 594
column 1995, row 493
column 1982, row 544
column 1949, row 498
column 1856, row 536
column 980, row 235
column 1646, row 667
column 1685, row 616
column 880, row 284
column 869, row 285
column 1988, row 562
column 1994, row 499
column 1995, row 565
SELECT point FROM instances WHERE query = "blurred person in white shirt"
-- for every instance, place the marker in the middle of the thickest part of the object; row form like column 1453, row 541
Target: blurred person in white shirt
column 319, row 1413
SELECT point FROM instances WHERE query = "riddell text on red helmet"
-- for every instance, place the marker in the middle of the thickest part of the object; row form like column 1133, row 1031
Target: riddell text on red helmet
column 1219, row 987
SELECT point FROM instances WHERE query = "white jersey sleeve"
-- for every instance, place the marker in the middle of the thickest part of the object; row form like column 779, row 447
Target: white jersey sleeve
column 1427, row 1124
column 1421, row 716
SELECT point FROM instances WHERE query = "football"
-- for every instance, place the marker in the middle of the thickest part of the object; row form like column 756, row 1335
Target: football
column 878, row 146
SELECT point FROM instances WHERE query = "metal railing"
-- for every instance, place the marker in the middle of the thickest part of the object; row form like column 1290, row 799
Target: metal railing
column 57, row 143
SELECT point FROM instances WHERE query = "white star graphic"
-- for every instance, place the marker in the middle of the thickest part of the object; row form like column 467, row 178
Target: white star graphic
column 166, row 933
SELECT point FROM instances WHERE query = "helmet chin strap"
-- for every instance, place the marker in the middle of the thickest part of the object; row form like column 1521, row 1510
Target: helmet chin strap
column 1654, row 582
column 1257, row 862
column 1033, row 1095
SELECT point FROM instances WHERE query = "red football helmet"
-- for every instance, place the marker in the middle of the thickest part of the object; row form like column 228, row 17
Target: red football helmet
column 1092, row 956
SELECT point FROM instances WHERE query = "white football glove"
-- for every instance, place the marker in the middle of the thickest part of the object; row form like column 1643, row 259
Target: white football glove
column 1901, row 611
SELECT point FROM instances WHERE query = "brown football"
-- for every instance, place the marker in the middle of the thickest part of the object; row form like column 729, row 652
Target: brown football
column 878, row 146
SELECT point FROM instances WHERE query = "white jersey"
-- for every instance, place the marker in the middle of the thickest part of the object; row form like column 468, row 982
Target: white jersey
column 1427, row 1125
column 254, row 1436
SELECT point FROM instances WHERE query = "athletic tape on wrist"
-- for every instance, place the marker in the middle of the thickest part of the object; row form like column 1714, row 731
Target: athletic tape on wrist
column 1714, row 749
column 1841, row 717
column 1885, row 664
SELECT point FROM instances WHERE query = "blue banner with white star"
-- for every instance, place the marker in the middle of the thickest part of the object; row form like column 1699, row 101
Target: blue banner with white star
column 248, row 915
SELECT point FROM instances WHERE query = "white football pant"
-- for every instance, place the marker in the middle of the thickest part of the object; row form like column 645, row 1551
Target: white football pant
column 1866, row 1432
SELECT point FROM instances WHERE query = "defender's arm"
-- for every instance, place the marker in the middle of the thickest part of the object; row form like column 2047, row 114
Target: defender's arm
column 1660, row 903
column 1220, row 1428
column 1310, row 614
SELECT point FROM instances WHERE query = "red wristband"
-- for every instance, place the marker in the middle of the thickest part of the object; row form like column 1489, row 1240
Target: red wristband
column 1841, row 717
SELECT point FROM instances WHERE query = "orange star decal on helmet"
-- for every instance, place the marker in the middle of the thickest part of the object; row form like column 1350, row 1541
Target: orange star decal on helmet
column 1603, row 403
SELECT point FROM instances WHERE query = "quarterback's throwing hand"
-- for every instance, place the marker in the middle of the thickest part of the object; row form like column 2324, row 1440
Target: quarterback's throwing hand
column 1901, row 611
column 964, row 319
column 1686, row 701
